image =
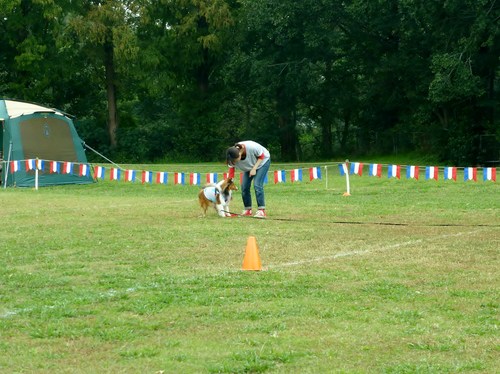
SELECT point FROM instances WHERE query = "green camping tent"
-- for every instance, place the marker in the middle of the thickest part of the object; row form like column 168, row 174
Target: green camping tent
column 33, row 132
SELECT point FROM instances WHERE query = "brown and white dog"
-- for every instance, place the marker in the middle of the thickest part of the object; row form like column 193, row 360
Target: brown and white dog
column 218, row 195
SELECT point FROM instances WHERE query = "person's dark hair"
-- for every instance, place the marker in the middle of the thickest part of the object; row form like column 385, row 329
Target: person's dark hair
column 232, row 154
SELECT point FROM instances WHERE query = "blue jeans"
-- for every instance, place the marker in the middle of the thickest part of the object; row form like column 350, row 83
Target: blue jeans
column 258, row 185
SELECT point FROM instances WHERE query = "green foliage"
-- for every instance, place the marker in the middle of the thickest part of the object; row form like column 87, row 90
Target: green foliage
column 306, row 78
column 453, row 80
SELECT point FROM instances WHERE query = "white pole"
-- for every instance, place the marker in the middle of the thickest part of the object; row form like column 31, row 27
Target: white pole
column 326, row 177
column 7, row 166
column 348, row 192
column 36, row 174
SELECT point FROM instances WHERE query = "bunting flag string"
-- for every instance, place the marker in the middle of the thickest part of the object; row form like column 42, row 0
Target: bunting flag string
column 161, row 177
column 179, row 178
column 147, row 177
column 394, row 171
column 99, row 172
column 431, row 172
column 470, row 174
column 296, row 175
column 212, row 178
column 115, row 174
column 30, row 164
column 194, row 179
column 15, row 166
column 412, row 172
column 129, row 175
column 343, row 169
column 357, row 168
column 490, row 174
column 84, row 170
column 450, row 172
column 376, row 170
column 314, row 173
column 55, row 167
column 279, row 176
column 68, row 168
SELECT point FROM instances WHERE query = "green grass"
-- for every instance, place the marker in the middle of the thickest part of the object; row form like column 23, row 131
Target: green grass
column 400, row 277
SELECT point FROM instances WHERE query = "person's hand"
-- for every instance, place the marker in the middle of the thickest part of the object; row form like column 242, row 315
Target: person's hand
column 252, row 172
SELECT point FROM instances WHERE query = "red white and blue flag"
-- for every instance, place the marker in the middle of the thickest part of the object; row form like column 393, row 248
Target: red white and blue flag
column 375, row 170
column 412, row 172
column 55, row 167
column 279, row 176
column 357, row 168
column 394, row 171
column 84, row 170
column 129, row 175
column 470, row 174
column 178, row 178
column 314, row 173
column 490, row 174
column 194, row 178
column 343, row 169
column 450, row 172
column 147, row 177
column 162, row 177
column 115, row 174
column 296, row 175
column 99, row 172
column 68, row 168
column 431, row 172
column 15, row 166
column 30, row 164
column 212, row 177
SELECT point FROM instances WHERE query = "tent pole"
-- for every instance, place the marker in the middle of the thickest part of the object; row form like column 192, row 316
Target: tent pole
column 326, row 177
column 8, row 164
column 97, row 153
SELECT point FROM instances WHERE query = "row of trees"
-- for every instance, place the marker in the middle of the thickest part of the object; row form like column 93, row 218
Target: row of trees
column 152, row 80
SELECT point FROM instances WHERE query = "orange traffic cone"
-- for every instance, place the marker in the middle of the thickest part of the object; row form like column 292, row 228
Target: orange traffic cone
column 252, row 258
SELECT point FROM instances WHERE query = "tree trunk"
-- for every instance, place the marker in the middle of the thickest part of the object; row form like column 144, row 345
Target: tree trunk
column 286, row 124
column 326, row 136
column 326, row 117
column 109, row 68
column 442, row 115
column 343, row 131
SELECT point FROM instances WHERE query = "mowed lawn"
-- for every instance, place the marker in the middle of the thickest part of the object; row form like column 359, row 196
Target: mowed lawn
column 120, row 277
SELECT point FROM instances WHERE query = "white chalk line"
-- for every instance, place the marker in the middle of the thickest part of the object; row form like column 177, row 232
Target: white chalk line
column 112, row 293
column 371, row 250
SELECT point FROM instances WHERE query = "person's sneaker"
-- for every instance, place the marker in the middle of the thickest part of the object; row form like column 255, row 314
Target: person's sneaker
column 247, row 212
column 261, row 213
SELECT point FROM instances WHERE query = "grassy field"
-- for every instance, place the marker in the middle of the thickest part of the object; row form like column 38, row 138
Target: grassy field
column 120, row 277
